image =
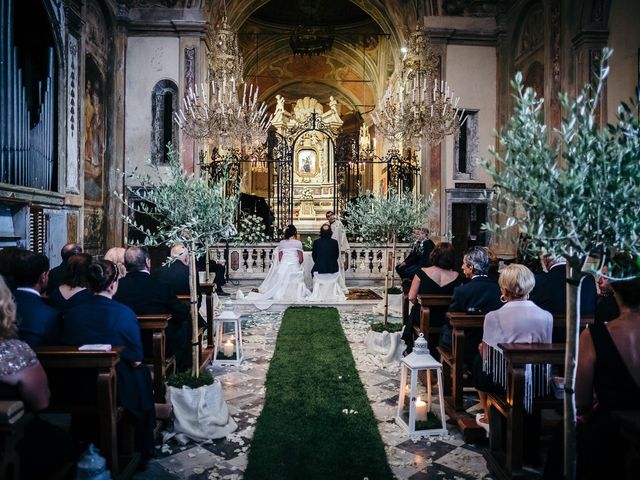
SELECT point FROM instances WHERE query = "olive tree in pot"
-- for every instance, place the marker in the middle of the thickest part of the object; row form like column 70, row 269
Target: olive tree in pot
column 385, row 219
column 187, row 209
column 575, row 192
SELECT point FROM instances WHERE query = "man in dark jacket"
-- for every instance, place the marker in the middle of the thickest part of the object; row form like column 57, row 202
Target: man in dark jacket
column 146, row 295
column 419, row 255
column 550, row 292
column 57, row 273
column 480, row 295
column 325, row 252
column 38, row 323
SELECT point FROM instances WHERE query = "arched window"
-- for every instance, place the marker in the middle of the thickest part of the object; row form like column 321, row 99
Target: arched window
column 164, row 101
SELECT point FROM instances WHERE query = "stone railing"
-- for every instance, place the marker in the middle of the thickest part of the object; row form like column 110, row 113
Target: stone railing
column 360, row 262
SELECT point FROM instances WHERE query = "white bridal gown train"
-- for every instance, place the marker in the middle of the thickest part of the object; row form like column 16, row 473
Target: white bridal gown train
column 285, row 280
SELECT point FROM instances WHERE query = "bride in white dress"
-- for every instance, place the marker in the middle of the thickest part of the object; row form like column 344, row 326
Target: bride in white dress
column 285, row 280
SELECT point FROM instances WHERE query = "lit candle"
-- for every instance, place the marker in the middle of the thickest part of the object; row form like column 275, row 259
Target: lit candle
column 421, row 408
column 228, row 350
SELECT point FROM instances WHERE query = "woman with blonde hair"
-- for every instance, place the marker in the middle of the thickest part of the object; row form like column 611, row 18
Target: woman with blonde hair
column 519, row 320
column 116, row 255
column 44, row 447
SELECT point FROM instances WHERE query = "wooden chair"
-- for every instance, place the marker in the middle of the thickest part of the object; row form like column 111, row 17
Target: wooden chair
column 507, row 411
column 70, row 372
column 161, row 365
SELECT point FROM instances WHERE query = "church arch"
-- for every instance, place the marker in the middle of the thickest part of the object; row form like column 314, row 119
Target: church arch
column 164, row 130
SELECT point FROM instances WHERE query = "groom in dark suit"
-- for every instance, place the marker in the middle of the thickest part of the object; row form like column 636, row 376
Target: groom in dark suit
column 325, row 252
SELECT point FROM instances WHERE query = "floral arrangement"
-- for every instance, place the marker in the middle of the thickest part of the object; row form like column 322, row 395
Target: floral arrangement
column 252, row 230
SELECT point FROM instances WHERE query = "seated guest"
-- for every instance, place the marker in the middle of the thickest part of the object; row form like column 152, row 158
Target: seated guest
column 102, row 320
column 74, row 287
column 44, row 447
column 479, row 295
column 607, row 308
column 438, row 279
column 176, row 275
column 8, row 257
column 116, row 255
column 494, row 265
column 325, row 252
column 38, row 323
column 607, row 379
column 550, row 292
column 146, row 295
column 217, row 267
column 519, row 320
column 57, row 273
column 419, row 255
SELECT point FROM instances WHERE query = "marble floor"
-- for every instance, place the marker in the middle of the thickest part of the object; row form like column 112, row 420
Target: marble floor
column 446, row 457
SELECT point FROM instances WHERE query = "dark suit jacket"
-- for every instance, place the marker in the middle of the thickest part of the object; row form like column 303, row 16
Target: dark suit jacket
column 176, row 274
column 419, row 257
column 481, row 293
column 550, row 292
column 146, row 295
column 38, row 323
column 56, row 274
column 325, row 255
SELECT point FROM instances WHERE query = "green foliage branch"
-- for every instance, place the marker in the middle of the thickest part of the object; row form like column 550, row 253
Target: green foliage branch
column 373, row 219
column 574, row 191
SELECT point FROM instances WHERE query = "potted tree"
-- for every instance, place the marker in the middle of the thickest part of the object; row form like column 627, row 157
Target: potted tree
column 574, row 192
column 386, row 219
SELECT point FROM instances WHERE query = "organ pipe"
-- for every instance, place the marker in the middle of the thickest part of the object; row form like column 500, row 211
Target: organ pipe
column 26, row 152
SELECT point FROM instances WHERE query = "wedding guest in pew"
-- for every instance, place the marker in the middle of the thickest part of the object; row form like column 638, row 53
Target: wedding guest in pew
column 146, row 295
column 607, row 379
column 8, row 257
column 607, row 307
column 218, row 268
column 56, row 274
column 479, row 296
column 38, row 323
column 102, row 320
column 438, row 279
column 74, row 288
column 44, row 448
column 519, row 320
column 550, row 292
column 176, row 275
column 116, row 255
column 494, row 265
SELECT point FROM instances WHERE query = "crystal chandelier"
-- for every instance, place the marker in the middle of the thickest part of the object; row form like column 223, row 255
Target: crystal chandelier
column 411, row 111
column 215, row 112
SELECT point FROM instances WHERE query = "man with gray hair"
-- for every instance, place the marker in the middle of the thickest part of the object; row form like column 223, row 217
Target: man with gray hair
column 480, row 295
column 146, row 295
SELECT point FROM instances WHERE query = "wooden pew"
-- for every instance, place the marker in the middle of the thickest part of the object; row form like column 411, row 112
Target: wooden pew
column 506, row 411
column 162, row 366
column 66, row 367
column 452, row 374
column 426, row 302
column 11, row 432
column 205, row 353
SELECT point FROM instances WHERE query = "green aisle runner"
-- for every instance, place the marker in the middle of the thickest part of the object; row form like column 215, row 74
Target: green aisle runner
column 303, row 432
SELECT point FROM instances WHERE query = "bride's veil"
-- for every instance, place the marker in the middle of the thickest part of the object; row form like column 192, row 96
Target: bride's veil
column 271, row 274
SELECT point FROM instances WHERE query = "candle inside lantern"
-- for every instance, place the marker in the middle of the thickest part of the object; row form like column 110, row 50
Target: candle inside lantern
column 228, row 349
column 421, row 409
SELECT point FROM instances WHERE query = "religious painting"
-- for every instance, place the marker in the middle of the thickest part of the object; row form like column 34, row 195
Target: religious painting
column 307, row 162
column 94, row 132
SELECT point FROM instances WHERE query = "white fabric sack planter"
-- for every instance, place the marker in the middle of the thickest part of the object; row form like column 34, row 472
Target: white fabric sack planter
column 201, row 413
column 388, row 345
